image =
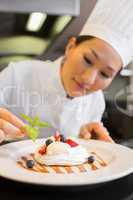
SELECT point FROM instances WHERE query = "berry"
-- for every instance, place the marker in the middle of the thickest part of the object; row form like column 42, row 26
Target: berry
column 48, row 142
column 71, row 143
column 62, row 138
column 30, row 163
column 43, row 150
column 57, row 136
column 91, row 159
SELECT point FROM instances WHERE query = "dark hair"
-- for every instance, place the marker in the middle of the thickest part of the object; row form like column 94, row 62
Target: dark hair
column 83, row 38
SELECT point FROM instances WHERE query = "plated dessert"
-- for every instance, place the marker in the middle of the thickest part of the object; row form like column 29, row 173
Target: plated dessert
column 61, row 155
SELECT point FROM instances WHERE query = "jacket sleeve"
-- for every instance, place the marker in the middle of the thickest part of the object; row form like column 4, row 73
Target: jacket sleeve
column 6, row 85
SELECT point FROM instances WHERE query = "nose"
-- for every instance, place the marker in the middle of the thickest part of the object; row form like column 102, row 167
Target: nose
column 89, row 76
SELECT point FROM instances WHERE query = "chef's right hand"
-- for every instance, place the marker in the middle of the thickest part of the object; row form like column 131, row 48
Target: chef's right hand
column 11, row 127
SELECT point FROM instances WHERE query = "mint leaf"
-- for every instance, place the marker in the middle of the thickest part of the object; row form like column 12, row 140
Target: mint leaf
column 27, row 118
column 32, row 132
column 43, row 124
column 32, row 129
column 35, row 121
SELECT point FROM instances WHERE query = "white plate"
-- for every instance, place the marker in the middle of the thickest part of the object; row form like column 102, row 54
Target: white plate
column 119, row 158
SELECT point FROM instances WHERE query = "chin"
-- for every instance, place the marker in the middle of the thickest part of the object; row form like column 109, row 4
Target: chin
column 74, row 92
column 77, row 94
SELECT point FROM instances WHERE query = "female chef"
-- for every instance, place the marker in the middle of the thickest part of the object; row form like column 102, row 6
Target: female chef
column 67, row 93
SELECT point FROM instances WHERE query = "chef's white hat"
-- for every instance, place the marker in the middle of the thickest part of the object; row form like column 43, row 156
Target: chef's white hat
column 112, row 21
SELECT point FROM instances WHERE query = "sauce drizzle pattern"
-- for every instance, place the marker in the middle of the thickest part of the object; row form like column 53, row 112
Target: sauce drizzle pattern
column 99, row 163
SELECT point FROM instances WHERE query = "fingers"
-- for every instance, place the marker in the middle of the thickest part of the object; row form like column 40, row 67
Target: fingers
column 103, row 134
column 9, row 130
column 11, row 125
column 98, row 131
column 95, row 130
column 2, row 136
column 11, row 118
column 84, row 133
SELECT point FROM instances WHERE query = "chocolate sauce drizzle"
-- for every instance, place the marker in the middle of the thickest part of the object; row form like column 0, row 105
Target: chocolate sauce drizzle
column 85, row 167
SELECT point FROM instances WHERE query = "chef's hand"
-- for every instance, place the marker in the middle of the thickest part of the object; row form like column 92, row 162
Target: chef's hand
column 11, row 127
column 95, row 130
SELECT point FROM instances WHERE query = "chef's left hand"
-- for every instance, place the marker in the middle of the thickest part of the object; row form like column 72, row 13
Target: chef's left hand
column 95, row 130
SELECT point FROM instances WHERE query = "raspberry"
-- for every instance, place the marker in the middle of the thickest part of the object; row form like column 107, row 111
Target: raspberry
column 43, row 150
column 71, row 143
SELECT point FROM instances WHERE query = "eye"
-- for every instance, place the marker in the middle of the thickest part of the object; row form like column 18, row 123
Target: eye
column 87, row 60
column 104, row 75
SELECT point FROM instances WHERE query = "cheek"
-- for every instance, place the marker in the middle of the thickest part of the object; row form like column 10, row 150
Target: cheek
column 76, row 65
column 101, row 84
column 107, row 83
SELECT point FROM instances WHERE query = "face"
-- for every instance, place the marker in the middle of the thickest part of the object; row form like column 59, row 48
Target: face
column 89, row 66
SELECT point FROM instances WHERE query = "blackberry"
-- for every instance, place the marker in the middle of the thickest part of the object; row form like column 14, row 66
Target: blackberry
column 48, row 142
column 91, row 159
column 62, row 138
column 30, row 163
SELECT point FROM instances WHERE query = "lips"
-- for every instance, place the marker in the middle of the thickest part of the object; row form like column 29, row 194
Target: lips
column 83, row 86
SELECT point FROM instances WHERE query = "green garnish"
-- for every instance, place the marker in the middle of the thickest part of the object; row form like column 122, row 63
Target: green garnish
column 33, row 128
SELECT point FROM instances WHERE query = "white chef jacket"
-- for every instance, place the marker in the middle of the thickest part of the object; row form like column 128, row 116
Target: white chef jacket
column 34, row 88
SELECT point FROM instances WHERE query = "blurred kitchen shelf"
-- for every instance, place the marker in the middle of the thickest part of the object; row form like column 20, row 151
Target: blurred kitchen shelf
column 60, row 7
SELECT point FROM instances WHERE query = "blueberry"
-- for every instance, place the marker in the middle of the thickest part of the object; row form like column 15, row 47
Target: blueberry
column 48, row 142
column 30, row 163
column 91, row 159
column 62, row 138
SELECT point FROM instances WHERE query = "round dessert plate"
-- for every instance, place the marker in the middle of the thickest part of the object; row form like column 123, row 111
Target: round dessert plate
column 119, row 161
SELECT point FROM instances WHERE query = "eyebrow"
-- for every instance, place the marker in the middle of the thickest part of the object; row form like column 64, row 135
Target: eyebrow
column 97, row 56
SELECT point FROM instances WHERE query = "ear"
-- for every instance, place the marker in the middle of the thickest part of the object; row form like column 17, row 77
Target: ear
column 71, row 44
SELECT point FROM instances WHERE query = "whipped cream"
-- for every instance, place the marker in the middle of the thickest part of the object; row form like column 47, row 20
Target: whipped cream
column 60, row 153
